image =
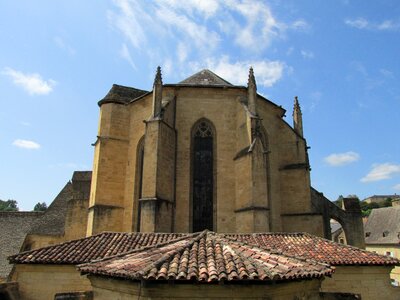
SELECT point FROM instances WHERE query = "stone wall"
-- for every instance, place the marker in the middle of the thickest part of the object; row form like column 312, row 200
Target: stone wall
column 105, row 289
column 384, row 249
column 371, row 282
column 43, row 282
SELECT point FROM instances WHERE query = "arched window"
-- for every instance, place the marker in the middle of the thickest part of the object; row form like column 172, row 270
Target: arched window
column 138, row 185
column 202, row 176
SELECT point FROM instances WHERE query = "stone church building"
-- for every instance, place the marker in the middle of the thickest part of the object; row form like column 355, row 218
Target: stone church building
column 198, row 181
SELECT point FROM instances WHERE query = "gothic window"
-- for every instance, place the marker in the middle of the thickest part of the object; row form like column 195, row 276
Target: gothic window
column 138, row 184
column 203, row 177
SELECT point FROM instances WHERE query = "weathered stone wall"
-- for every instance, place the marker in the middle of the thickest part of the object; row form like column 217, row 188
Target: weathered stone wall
column 274, row 178
column 42, row 282
column 370, row 282
column 105, row 289
column 384, row 249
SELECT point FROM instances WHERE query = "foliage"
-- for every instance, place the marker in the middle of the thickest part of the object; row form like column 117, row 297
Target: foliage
column 40, row 206
column 9, row 205
column 366, row 208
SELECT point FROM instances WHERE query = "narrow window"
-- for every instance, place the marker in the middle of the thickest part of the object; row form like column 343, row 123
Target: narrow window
column 203, row 178
column 138, row 185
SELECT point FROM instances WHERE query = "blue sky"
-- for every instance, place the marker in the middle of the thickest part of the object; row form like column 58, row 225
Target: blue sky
column 341, row 58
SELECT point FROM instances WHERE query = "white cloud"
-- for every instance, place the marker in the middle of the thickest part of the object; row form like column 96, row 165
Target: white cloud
column 381, row 172
column 266, row 72
column 182, row 52
column 24, row 123
column 26, row 144
column 63, row 45
column 32, row 83
column 362, row 23
column 301, row 25
column 397, row 187
column 341, row 159
column 359, row 23
column 386, row 73
column 307, row 54
column 125, row 54
column 315, row 97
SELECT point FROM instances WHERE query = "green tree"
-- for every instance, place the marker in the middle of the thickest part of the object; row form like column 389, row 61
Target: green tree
column 40, row 206
column 9, row 205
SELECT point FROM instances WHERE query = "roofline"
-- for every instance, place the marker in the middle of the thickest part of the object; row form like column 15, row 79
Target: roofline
column 225, row 87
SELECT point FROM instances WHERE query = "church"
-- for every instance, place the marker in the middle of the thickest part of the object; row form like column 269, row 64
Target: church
column 198, row 189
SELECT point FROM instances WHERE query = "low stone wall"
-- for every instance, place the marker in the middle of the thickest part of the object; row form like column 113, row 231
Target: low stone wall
column 43, row 282
column 371, row 282
column 105, row 289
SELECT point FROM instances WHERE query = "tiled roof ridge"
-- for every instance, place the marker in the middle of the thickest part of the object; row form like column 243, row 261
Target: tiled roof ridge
column 170, row 255
column 160, row 245
column 12, row 257
column 280, row 253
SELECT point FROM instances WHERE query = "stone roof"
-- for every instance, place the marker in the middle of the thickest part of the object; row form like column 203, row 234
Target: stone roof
column 14, row 227
column 121, row 94
column 106, row 244
column 383, row 226
column 206, row 257
column 205, row 78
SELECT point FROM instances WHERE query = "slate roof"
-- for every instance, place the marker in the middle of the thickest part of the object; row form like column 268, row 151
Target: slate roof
column 14, row 227
column 106, row 244
column 121, row 94
column 383, row 220
column 205, row 78
column 206, row 257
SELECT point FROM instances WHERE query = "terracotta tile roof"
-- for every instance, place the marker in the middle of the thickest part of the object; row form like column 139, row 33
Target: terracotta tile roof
column 307, row 246
column 299, row 245
column 94, row 247
column 206, row 257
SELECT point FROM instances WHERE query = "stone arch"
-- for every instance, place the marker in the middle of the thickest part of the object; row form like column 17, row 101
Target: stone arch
column 138, row 185
column 349, row 217
column 203, row 202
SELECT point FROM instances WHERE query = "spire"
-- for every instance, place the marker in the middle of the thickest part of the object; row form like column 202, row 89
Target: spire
column 157, row 93
column 297, row 117
column 252, row 92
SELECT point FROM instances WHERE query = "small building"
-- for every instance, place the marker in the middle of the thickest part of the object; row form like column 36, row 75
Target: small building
column 382, row 235
column 204, row 265
column 380, row 198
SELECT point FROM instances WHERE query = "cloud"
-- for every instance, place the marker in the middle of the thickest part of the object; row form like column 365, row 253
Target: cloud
column 197, row 28
column 341, row 159
column 359, row 23
column 307, row 54
column 315, row 97
column 362, row 23
column 32, row 83
column 125, row 54
column 381, row 172
column 397, row 187
column 63, row 45
column 25, row 144
column 266, row 72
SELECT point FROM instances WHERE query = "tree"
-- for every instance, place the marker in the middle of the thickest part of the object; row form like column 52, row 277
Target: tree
column 9, row 205
column 40, row 206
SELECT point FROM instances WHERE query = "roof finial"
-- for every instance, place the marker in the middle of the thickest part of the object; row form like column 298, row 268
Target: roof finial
column 157, row 93
column 158, row 78
column 252, row 92
column 297, row 117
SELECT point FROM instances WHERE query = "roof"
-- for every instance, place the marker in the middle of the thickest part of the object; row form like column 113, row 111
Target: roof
column 14, row 227
column 206, row 257
column 121, row 94
column 205, row 77
column 383, row 226
column 106, row 244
